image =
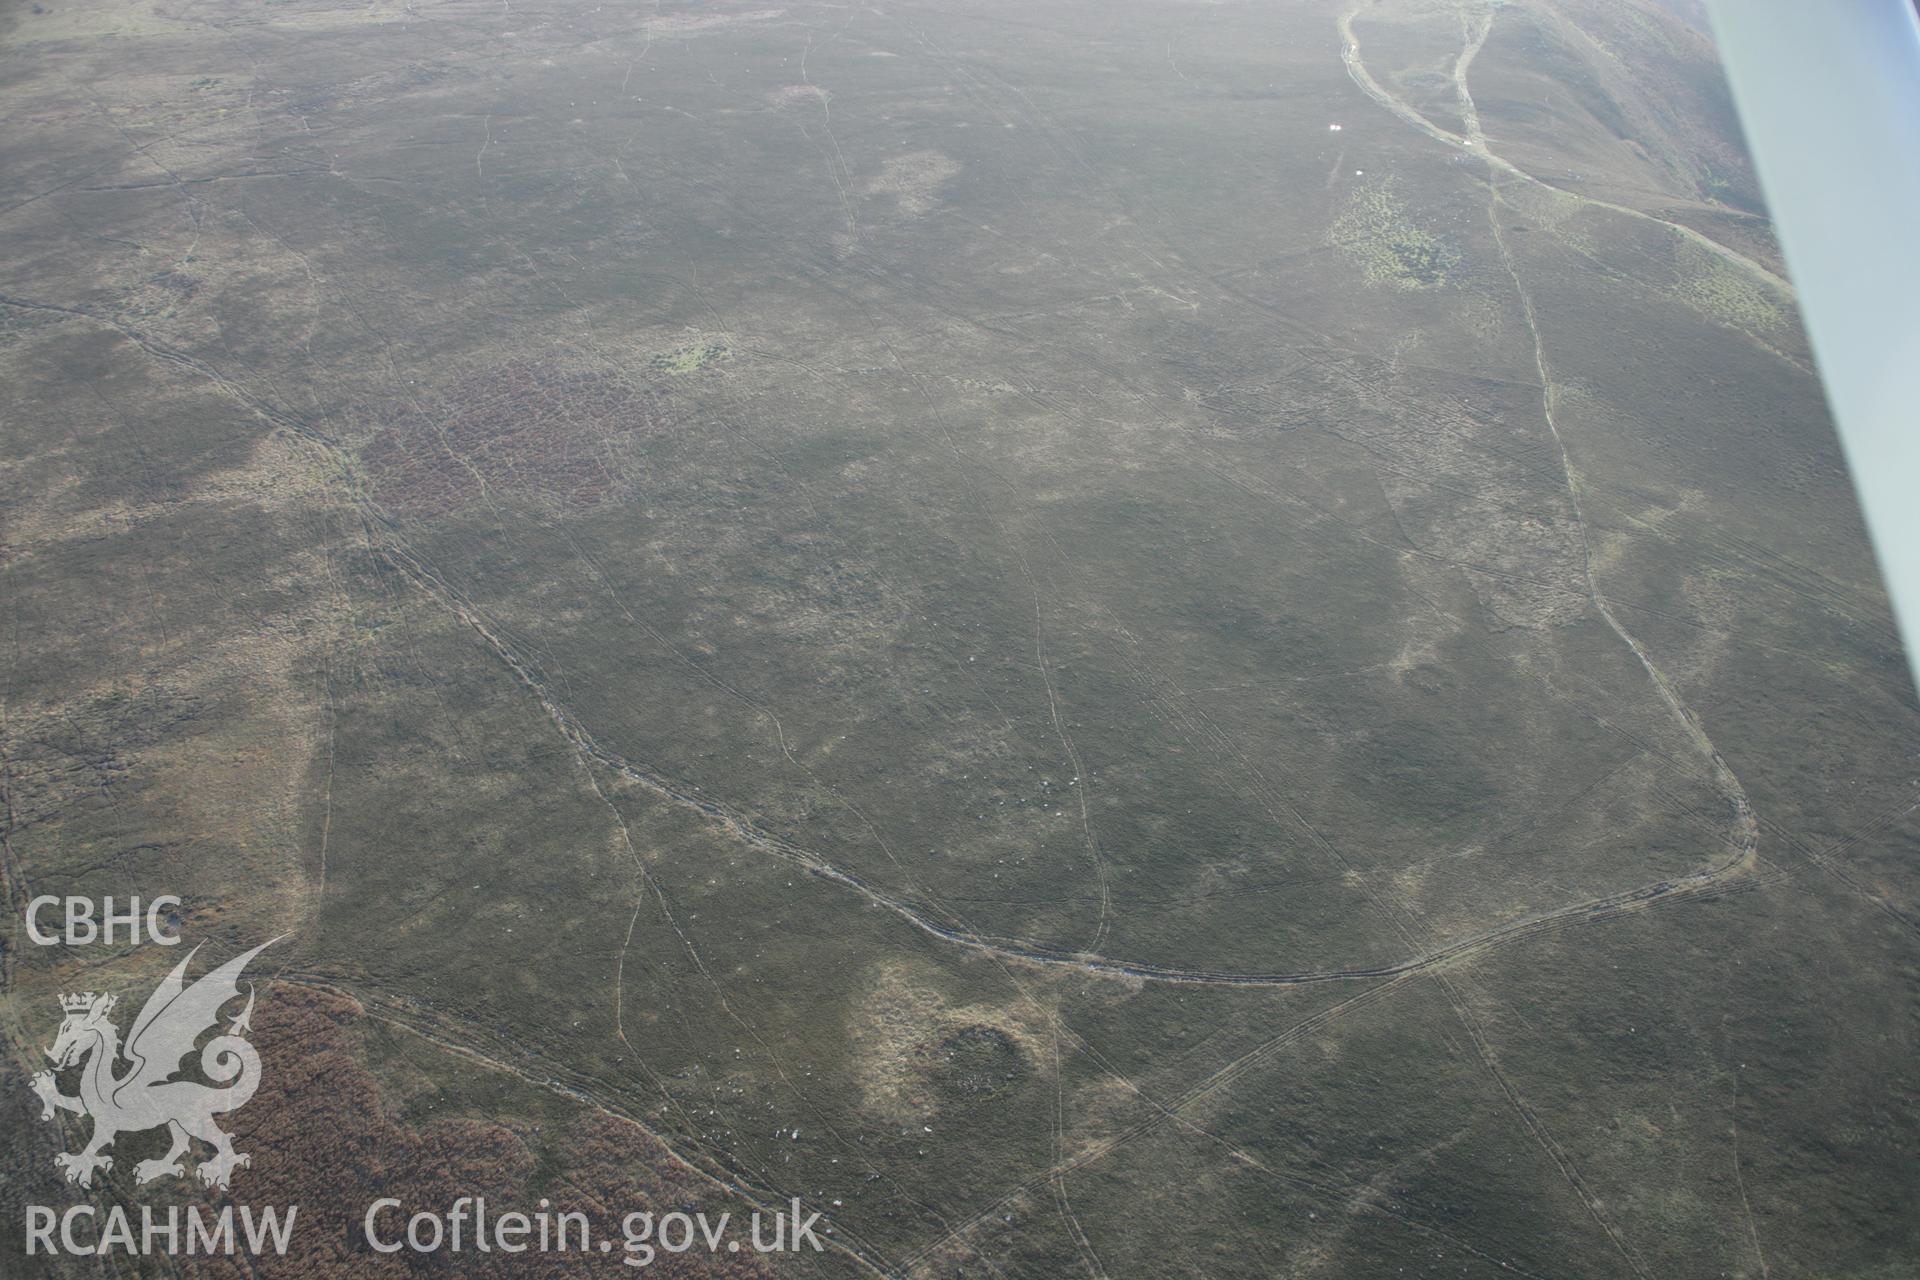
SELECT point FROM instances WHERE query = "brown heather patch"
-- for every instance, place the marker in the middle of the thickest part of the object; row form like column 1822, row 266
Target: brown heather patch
column 522, row 430
column 324, row 1135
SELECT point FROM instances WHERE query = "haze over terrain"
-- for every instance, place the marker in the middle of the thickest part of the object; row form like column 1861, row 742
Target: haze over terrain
column 1118, row 639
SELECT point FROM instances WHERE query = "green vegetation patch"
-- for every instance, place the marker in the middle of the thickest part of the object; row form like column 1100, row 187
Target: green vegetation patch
column 1723, row 292
column 1378, row 232
column 689, row 359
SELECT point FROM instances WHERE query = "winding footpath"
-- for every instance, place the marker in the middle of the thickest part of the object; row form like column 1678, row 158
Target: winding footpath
column 1477, row 145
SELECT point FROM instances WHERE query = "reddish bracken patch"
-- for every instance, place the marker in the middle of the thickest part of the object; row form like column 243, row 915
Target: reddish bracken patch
column 522, row 430
column 324, row 1137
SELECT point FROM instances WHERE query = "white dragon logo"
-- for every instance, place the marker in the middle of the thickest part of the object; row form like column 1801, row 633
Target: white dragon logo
column 146, row 1096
